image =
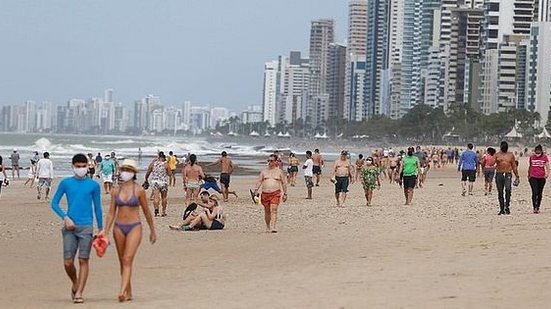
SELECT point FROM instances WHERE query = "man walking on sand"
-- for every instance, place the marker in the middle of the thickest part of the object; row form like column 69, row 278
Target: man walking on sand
column 308, row 173
column 342, row 175
column 225, row 173
column 505, row 164
column 318, row 165
column 172, row 162
column 468, row 164
column 45, row 174
column 271, row 182
column 15, row 164
column 107, row 168
column 80, row 192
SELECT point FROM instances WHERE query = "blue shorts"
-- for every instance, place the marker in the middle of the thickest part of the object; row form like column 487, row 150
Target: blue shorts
column 78, row 239
column 211, row 185
column 341, row 184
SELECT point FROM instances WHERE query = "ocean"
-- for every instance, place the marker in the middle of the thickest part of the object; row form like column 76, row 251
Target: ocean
column 244, row 151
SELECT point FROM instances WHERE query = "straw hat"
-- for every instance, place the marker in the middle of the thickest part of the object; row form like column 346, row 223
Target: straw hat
column 130, row 164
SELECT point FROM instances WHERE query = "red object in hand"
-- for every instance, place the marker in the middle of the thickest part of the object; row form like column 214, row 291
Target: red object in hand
column 100, row 244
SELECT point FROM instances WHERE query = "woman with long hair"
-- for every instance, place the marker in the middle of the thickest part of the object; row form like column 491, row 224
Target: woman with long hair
column 488, row 167
column 294, row 162
column 126, row 201
column 192, row 174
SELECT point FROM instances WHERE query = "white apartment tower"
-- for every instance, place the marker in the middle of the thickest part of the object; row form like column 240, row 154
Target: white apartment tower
column 538, row 81
column 270, row 92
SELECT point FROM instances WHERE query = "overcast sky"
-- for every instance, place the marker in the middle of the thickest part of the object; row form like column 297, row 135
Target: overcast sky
column 207, row 51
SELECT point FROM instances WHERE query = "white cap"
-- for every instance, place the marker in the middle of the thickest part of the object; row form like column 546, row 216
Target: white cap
column 14, row 149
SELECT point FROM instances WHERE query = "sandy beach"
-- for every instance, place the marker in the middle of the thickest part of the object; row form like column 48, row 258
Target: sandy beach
column 444, row 251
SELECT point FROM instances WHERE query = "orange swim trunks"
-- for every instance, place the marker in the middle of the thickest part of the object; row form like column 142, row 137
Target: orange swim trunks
column 270, row 198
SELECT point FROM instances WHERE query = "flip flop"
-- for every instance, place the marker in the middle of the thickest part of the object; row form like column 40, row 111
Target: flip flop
column 78, row 300
column 252, row 195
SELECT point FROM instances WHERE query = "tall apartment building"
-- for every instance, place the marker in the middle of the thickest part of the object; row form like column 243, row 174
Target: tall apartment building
column 464, row 53
column 295, row 87
column 322, row 34
column 394, row 63
column 270, row 92
column 377, row 88
column 357, row 37
column 336, row 80
column 506, row 24
column 538, row 81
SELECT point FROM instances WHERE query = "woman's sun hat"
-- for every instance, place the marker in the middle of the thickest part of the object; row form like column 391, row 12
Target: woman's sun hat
column 130, row 164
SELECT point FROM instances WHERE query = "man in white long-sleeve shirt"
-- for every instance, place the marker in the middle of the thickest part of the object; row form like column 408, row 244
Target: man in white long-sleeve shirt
column 45, row 174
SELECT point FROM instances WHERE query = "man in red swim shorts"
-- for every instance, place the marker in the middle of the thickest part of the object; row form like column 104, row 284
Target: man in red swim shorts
column 273, row 184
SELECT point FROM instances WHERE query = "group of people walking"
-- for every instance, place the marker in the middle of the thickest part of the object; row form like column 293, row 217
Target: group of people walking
column 204, row 211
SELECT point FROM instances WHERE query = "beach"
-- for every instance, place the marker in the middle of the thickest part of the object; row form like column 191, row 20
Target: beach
column 444, row 251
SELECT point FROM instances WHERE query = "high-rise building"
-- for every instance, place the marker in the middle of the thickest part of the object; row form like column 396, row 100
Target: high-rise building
column 253, row 114
column 270, row 95
column 377, row 95
column 336, row 80
column 108, row 96
column 538, row 81
column 464, row 52
column 218, row 114
column 395, row 48
column 506, row 24
column 321, row 36
column 357, row 47
column 295, row 87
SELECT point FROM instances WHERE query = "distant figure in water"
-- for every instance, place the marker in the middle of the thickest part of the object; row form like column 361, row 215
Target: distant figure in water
column 140, row 153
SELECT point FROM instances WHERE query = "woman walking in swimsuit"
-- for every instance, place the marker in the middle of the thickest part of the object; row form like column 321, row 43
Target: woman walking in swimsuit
column 192, row 174
column 124, row 210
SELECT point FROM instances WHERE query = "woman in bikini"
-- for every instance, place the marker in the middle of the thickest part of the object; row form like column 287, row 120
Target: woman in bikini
column 192, row 174
column 294, row 162
column 124, row 211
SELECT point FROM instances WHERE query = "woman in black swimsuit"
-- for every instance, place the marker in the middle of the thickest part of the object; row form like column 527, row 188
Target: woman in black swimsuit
column 126, row 200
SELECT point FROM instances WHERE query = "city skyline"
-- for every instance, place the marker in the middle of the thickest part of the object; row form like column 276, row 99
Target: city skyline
column 62, row 50
column 444, row 54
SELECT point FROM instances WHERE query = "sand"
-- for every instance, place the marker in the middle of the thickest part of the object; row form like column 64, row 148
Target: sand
column 444, row 251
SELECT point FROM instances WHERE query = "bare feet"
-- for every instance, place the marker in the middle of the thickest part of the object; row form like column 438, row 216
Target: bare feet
column 175, row 227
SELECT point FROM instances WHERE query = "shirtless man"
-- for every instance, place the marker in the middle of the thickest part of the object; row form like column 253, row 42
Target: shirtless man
column 359, row 165
column 342, row 175
column 226, row 171
column 392, row 166
column 318, row 165
column 505, row 163
column 192, row 174
column 271, row 182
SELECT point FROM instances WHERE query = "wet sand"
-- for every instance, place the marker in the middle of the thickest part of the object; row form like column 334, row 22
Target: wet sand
column 444, row 251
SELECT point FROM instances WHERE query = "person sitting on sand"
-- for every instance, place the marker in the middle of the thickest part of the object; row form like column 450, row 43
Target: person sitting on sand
column 210, row 217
